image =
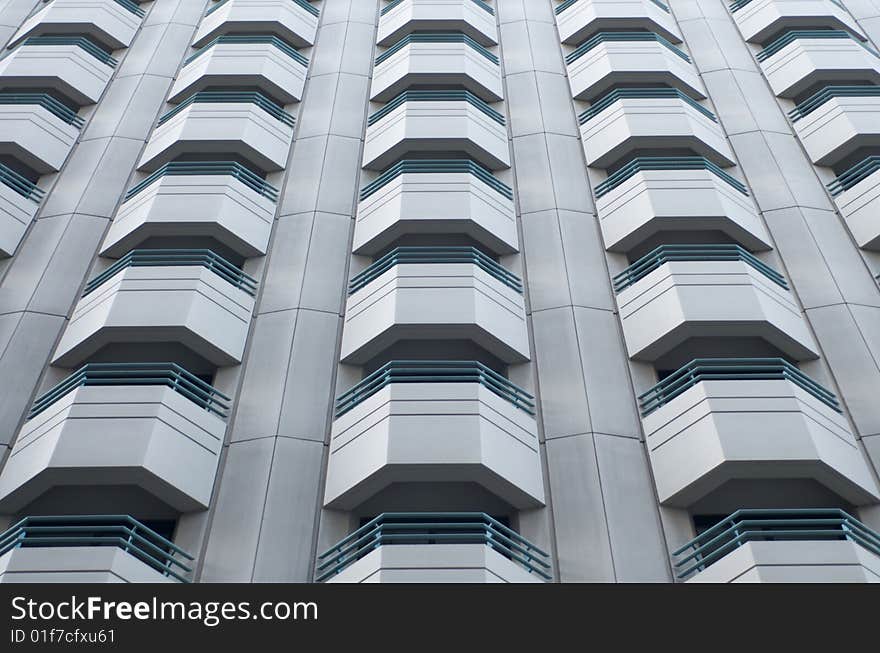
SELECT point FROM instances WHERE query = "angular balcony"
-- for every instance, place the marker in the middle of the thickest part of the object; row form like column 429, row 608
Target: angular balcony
column 37, row 129
column 295, row 21
column 718, row 419
column 758, row 20
column 857, row 195
column 436, row 121
column 432, row 547
column 612, row 58
column 819, row 545
column 218, row 199
column 577, row 20
column 259, row 60
column 436, row 196
column 434, row 293
column 216, row 122
column 472, row 17
column 799, row 59
column 113, row 22
column 653, row 194
column 433, row 421
column 627, row 119
column 439, row 59
column 89, row 549
column 150, row 425
column 678, row 292
column 19, row 200
column 192, row 297
column 75, row 66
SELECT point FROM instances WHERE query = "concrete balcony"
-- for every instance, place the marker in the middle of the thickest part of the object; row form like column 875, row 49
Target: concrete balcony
column 441, row 59
column 432, row 421
column 72, row 65
column 645, row 58
column 760, row 19
column 678, row 292
column 262, row 61
column 682, row 194
column 577, row 20
column 715, row 420
column 629, row 119
column 837, row 121
column 472, row 17
column 801, row 58
column 163, row 433
column 436, row 121
column 89, row 549
column 857, row 195
column 295, row 21
column 436, row 196
column 783, row 546
column 113, row 22
column 222, row 200
column 192, row 297
column 37, row 130
column 434, row 548
column 19, row 200
column 218, row 122
column 435, row 293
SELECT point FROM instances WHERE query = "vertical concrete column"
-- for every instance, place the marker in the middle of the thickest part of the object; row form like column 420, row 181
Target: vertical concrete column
column 12, row 15
column 867, row 12
column 266, row 510
column 601, row 494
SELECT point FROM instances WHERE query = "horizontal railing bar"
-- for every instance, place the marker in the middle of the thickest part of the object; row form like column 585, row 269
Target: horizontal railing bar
column 436, row 37
column 436, row 96
column 196, row 168
column 605, row 37
column 436, row 166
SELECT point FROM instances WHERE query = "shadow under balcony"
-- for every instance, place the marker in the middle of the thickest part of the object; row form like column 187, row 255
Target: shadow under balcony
column 577, row 20
column 472, row 17
column 857, row 195
column 114, row 22
column 758, row 20
column 296, row 21
column 19, row 201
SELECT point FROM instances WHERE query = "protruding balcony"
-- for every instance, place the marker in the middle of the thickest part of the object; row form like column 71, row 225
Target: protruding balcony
column 434, row 293
column 646, row 58
column 678, row 292
column 296, row 21
column 89, row 549
column 472, row 17
column 73, row 65
column 715, row 420
column 577, row 20
column 19, row 200
column 113, row 22
column 258, row 60
column 150, row 425
column 758, row 20
column 436, row 196
column 805, row 545
column 628, row 119
column 193, row 297
column 219, row 199
column 436, row 121
column 440, row 59
column 37, row 129
column 427, row 421
column 857, row 195
column 215, row 122
column 801, row 58
column 415, row 547
column 653, row 194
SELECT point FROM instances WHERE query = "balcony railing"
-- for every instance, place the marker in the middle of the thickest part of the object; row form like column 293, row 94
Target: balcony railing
column 731, row 369
column 629, row 93
column 436, row 166
column 482, row 5
column 739, row 4
column 395, row 528
column 46, row 101
column 436, row 37
column 172, row 375
column 175, row 257
column 21, row 185
column 793, row 35
column 751, row 525
column 232, row 97
column 436, row 96
column 80, row 41
column 665, row 253
column 132, row 6
column 605, row 37
column 854, row 175
column 196, row 168
column 119, row 531
column 250, row 38
column 434, row 372
column 568, row 3
column 816, row 100
column 302, row 3
column 427, row 255
column 642, row 163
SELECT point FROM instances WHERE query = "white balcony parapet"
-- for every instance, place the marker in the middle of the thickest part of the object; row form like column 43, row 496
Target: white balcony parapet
column 37, row 130
column 760, row 19
column 577, row 20
column 113, row 22
column 19, row 200
column 472, row 17
column 296, row 21
column 857, row 194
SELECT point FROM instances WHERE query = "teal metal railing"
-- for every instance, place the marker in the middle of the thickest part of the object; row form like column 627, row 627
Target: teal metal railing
column 613, row 96
column 739, row 4
column 249, row 38
column 80, row 41
column 793, row 35
column 395, row 528
column 642, row 163
column 133, row 7
column 302, row 3
column 756, row 525
column 436, row 96
column 121, row 531
column 427, row 166
column 186, row 257
column 436, row 37
column 859, row 172
column 816, row 100
column 605, row 37
column 568, row 3
column 21, row 185
column 46, row 101
column 731, row 369
column 482, row 5
column 231, row 97
column 172, row 375
column 191, row 168
column 427, row 255
column 434, row 372
column 665, row 253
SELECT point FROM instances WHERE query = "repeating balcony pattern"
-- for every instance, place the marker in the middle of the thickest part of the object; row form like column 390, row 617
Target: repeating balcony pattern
column 857, row 194
column 19, row 200
column 113, row 22
column 475, row 18
column 577, row 20
column 758, row 20
column 295, row 21
column 37, row 130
